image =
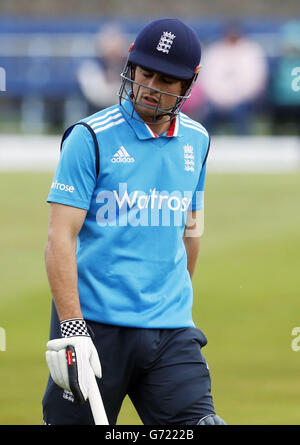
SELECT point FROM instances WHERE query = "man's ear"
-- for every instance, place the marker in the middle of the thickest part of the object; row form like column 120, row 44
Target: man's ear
column 185, row 84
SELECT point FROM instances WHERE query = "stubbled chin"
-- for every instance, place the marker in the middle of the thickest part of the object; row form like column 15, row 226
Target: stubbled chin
column 144, row 111
column 148, row 115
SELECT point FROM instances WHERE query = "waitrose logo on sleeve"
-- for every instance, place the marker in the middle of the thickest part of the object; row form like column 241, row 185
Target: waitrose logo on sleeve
column 62, row 187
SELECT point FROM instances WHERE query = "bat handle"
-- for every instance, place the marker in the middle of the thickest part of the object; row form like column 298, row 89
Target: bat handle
column 96, row 402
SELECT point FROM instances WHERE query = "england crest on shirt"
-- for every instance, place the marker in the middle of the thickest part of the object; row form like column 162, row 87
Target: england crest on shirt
column 189, row 158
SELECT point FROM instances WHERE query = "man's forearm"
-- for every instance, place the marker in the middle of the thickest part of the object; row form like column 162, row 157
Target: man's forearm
column 192, row 245
column 61, row 266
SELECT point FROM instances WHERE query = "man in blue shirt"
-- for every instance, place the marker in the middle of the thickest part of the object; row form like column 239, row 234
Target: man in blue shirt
column 123, row 242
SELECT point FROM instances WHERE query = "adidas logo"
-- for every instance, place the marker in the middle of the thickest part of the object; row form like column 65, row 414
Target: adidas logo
column 122, row 156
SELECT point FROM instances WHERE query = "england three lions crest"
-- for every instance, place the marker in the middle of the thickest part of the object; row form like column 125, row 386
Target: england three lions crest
column 189, row 158
column 165, row 42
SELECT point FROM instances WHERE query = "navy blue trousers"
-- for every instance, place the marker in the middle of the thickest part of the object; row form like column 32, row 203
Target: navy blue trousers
column 163, row 371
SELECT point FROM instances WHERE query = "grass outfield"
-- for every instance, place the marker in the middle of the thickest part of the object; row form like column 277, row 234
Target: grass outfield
column 247, row 288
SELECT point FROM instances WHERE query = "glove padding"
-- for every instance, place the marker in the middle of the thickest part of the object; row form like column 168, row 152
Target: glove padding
column 87, row 360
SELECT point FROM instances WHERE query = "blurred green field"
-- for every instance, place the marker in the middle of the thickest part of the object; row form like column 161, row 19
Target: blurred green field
column 247, row 289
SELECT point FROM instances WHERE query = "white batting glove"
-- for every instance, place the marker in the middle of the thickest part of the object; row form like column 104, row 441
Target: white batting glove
column 71, row 368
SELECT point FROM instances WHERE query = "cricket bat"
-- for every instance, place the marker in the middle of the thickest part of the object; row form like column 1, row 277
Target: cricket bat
column 94, row 395
column 96, row 402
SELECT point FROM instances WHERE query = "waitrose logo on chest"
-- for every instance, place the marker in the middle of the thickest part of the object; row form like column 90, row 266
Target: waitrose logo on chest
column 154, row 199
column 154, row 207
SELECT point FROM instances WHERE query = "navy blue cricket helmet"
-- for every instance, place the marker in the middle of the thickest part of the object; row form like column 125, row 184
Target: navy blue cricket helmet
column 167, row 46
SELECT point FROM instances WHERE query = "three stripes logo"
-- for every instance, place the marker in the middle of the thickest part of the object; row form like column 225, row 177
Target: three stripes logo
column 122, row 156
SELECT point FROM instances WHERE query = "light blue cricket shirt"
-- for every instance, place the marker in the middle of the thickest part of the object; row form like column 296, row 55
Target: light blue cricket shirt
column 132, row 263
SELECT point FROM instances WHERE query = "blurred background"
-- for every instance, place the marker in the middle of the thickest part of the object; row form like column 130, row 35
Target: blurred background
column 61, row 61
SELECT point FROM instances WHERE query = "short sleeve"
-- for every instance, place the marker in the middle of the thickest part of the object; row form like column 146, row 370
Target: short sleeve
column 198, row 196
column 75, row 177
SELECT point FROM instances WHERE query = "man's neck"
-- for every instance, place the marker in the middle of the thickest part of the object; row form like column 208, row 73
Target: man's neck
column 159, row 129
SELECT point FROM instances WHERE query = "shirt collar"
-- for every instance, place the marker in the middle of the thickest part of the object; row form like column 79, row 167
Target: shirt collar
column 142, row 130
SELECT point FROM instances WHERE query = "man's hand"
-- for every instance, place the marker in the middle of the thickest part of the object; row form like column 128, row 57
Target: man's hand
column 82, row 358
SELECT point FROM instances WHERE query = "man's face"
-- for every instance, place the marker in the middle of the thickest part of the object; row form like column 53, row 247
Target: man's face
column 145, row 96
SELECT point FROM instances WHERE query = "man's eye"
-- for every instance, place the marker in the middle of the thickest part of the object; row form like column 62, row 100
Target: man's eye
column 168, row 80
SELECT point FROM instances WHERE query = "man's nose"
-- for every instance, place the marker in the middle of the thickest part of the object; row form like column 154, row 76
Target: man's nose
column 153, row 82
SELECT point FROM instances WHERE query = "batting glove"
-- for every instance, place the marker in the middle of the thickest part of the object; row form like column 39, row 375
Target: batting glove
column 71, row 359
